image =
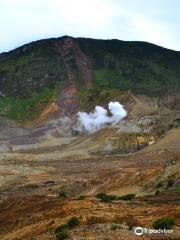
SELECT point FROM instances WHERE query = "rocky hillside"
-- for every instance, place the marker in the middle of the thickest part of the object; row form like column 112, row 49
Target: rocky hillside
column 34, row 75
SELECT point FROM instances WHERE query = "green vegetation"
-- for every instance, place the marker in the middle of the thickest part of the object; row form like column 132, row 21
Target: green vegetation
column 157, row 192
column 29, row 70
column 127, row 197
column 81, row 197
column 178, row 189
column 26, row 109
column 108, row 198
column 142, row 67
column 88, row 98
column 62, row 232
column 115, row 226
column 170, row 182
column 107, row 93
column 33, row 75
column 61, row 227
column 62, row 235
column 159, row 184
column 73, row 222
column 164, row 223
column 62, row 194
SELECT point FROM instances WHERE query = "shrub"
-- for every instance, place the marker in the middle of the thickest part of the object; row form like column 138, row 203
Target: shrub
column 61, row 227
column 62, row 194
column 106, row 198
column 162, row 223
column 114, row 227
column 159, row 185
column 100, row 195
column 170, row 182
column 157, row 192
column 127, row 197
column 130, row 227
column 81, row 197
column 73, row 222
column 178, row 189
column 62, row 232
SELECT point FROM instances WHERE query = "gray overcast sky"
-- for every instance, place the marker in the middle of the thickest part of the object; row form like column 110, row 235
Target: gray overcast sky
column 156, row 21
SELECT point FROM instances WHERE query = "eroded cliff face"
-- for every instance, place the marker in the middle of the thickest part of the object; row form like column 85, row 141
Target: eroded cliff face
column 79, row 69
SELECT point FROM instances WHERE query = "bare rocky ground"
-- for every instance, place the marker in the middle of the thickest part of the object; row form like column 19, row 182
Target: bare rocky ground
column 139, row 155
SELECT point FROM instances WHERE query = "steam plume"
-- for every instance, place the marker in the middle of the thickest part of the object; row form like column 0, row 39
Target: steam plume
column 96, row 120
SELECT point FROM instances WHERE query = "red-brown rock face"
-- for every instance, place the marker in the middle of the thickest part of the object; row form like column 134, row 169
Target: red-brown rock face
column 78, row 67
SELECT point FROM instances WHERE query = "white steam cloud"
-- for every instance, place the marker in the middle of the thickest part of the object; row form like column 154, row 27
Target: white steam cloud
column 96, row 120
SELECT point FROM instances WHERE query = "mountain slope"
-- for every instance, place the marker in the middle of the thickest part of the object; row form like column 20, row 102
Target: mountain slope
column 110, row 63
column 41, row 72
column 140, row 66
